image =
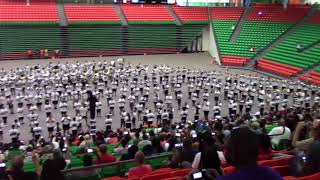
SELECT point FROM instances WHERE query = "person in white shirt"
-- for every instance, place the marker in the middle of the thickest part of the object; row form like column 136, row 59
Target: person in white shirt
column 98, row 107
column 279, row 133
column 150, row 118
column 63, row 107
column 37, row 131
column 14, row 134
column 111, row 105
column 50, row 124
column 48, row 108
column 184, row 115
column 77, row 106
column 74, row 127
column 65, row 120
column 206, row 109
column 4, row 114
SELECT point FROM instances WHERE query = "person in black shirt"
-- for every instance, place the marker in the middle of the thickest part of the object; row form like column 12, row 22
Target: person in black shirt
column 187, row 154
column 92, row 104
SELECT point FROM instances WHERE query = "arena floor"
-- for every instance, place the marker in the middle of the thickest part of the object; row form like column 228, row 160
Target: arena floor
column 193, row 61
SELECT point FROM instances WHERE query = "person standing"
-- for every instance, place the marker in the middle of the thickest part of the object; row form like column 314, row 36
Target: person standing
column 92, row 104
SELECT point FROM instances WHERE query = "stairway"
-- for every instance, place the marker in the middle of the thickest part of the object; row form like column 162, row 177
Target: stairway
column 124, row 21
column 174, row 15
column 62, row 17
column 281, row 38
column 237, row 30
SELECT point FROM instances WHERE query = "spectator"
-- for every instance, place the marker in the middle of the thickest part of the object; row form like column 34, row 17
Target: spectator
column 103, row 157
column 242, row 152
column 312, row 156
column 141, row 169
column 87, row 161
column 279, row 133
column 131, row 153
column 187, row 154
column 145, row 141
column 17, row 173
column 310, row 127
column 51, row 170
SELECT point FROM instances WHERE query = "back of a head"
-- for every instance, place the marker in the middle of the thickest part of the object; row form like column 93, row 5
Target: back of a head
column 103, row 149
column 133, row 150
column 87, row 160
column 139, row 157
column 17, row 163
column 50, row 171
column 209, row 158
column 242, row 148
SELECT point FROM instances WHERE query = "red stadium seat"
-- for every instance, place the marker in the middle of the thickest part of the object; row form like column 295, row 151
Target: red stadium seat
column 282, row 170
column 155, row 176
column 181, row 172
column 311, row 177
column 229, row 170
column 191, row 13
column 146, row 12
column 91, row 13
column 275, row 13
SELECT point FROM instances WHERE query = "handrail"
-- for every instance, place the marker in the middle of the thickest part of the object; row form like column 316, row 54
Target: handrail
column 111, row 164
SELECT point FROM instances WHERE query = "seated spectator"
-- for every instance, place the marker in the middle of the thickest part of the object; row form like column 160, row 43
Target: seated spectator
column 123, row 144
column 103, row 157
column 131, row 153
column 16, row 172
column 147, row 150
column 141, row 169
column 208, row 157
column 145, row 141
column 279, row 133
column 265, row 150
column 51, row 170
column 156, row 146
column 242, row 152
column 187, row 154
column 87, row 161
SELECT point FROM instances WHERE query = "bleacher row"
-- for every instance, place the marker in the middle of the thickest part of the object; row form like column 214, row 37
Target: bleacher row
column 280, row 165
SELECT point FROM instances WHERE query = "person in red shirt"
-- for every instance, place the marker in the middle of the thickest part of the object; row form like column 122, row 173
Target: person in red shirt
column 103, row 157
column 141, row 169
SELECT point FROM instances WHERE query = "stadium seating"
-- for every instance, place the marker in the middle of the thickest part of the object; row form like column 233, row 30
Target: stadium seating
column 277, row 68
column 142, row 14
column 282, row 170
column 310, row 177
column 286, row 51
column 276, row 13
column 315, row 19
column 21, row 13
column 220, row 13
column 233, row 60
column 254, row 35
column 93, row 14
column 191, row 15
column 311, row 77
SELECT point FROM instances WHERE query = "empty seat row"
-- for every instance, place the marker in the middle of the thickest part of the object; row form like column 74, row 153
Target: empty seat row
column 253, row 37
column 191, row 13
column 148, row 13
column 91, row 13
column 276, row 13
column 233, row 60
column 277, row 68
column 315, row 19
column 10, row 13
column 286, row 52
column 222, row 13
column 311, row 77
